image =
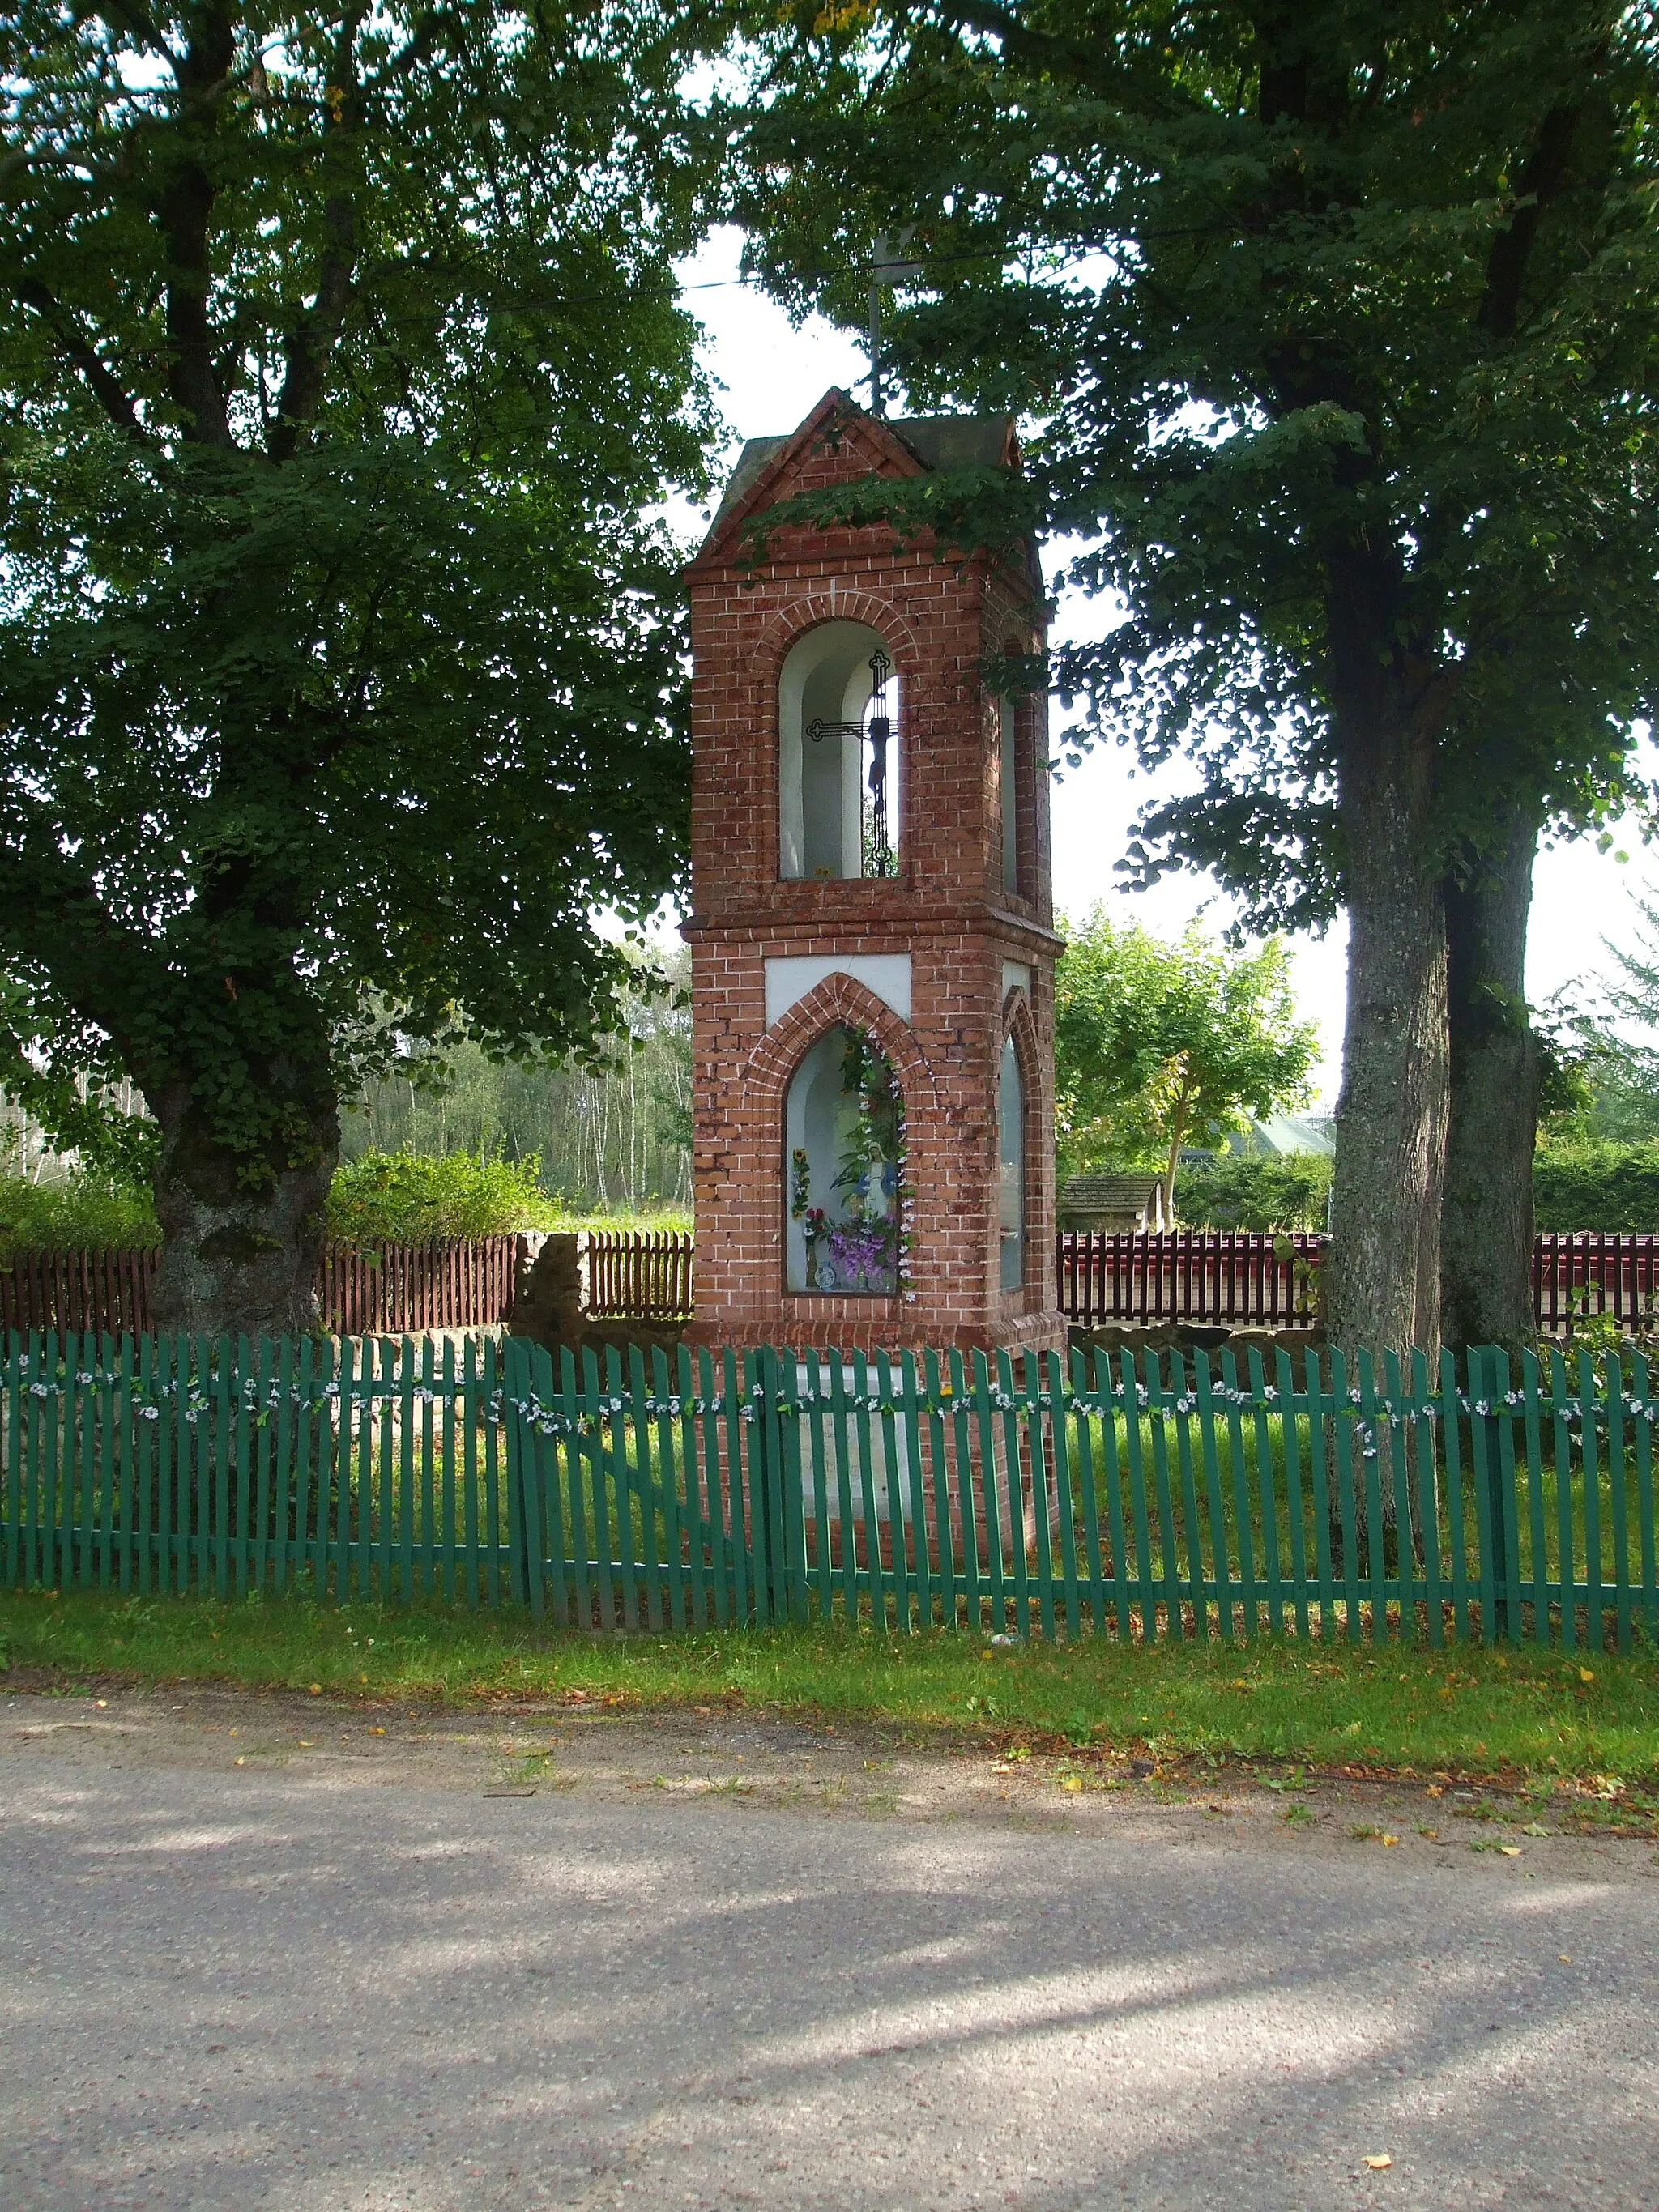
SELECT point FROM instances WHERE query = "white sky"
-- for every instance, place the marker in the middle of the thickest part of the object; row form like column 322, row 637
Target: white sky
column 771, row 375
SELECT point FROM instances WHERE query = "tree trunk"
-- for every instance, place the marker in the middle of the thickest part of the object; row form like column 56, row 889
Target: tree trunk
column 1384, row 1269
column 240, row 1260
column 1486, row 1219
column 1172, row 1162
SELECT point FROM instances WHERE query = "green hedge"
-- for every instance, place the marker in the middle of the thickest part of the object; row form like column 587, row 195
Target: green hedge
column 384, row 1197
column 83, row 1213
column 1585, row 1183
column 411, row 1198
column 1596, row 1184
column 1285, row 1191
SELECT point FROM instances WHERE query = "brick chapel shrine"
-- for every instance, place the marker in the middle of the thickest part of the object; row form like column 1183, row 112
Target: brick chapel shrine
column 871, row 933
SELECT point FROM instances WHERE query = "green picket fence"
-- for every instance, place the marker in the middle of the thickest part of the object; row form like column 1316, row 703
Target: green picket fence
column 1030, row 1498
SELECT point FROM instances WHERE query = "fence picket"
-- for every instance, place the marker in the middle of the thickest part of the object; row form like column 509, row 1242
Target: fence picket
column 1613, row 1400
column 1065, row 1509
column 720, row 1583
column 1220, row 1571
column 674, row 1547
column 1371, row 1469
column 1159, row 1403
column 1394, row 1428
column 875, row 1578
column 1535, row 1535
column 123, row 1423
column 1266, row 1491
column 1641, row 1431
column 1020, row 1533
column 1250, row 1579
column 1104, row 1394
column 88, row 1399
column 1295, row 1511
column 1095, row 1581
column 937, row 1534
column 781, row 1379
column 736, row 1502
column 1041, row 1540
column 649, row 1491
column 1132, row 1445
column 19, row 1400
column 992, row 1487
column 1596, row 1627
column 1430, row 1500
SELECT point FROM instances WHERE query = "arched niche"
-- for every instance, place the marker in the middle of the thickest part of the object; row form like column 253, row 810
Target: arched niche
column 844, row 1169
column 1008, row 793
column 827, row 752
column 1011, row 1169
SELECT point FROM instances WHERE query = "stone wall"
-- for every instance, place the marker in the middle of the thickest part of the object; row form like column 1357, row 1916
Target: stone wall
column 550, row 1303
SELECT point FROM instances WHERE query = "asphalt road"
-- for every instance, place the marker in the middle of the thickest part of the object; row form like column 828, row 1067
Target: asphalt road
column 716, row 1963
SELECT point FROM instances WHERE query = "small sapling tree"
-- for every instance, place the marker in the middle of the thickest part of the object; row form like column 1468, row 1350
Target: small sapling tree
column 1160, row 1045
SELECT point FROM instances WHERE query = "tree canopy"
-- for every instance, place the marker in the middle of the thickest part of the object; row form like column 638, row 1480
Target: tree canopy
column 1336, row 327
column 1160, row 1045
column 341, row 371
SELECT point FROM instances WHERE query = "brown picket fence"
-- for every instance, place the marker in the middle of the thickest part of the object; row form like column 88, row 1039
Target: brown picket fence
column 74, row 1292
column 639, row 1274
column 380, row 1290
column 1249, row 1279
column 1239, row 1279
column 1231, row 1279
column 1579, row 1272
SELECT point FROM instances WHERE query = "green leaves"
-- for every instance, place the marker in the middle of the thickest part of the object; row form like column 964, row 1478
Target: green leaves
column 340, row 681
column 1338, row 335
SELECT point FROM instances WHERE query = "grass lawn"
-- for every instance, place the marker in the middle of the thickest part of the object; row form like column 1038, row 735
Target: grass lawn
column 1541, row 1714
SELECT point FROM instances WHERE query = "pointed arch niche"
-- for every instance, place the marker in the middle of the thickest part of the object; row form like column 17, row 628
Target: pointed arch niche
column 1014, row 1163
column 839, row 797
column 844, row 1138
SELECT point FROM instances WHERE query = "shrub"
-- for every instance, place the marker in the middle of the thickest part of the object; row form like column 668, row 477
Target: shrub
column 1287, row 1190
column 411, row 1198
column 83, row 1214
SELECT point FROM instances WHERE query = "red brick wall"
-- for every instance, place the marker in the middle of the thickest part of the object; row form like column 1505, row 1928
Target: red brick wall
column 947, row 908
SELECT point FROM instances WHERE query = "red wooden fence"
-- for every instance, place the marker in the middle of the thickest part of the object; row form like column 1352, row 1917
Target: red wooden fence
column 639, row 1274
column 1228, row 1279
column 75, row 1291
column 1248, row 1278
column 1231, row 1279
column 1575, row 1272
column 383, row 1290
column 395, row 1290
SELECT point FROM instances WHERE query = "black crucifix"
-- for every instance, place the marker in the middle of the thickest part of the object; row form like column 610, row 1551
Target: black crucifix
column 877, row 856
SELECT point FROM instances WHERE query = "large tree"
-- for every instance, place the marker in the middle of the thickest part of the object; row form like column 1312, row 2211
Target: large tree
column 1336, row 326
column 340, row 677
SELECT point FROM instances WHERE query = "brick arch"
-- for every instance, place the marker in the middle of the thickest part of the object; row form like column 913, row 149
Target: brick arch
column 838, row 999
column 847, row 603
column 1018, row 1025
column 763, row 670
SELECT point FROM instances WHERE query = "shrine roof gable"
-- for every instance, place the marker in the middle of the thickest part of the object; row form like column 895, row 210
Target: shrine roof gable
column 839, row 442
